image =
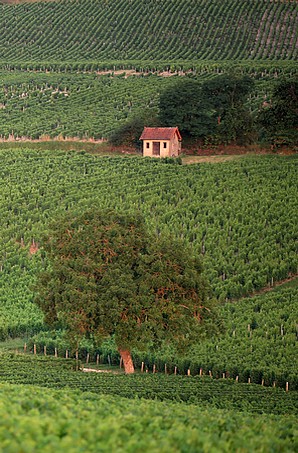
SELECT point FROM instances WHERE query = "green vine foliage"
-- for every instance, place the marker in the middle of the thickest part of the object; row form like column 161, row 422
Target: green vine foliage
column 239, row 217
column 52, row 373
column 97, row 30
column 60, row 420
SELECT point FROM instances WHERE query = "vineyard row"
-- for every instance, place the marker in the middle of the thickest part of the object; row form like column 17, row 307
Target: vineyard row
column 91, row 364
column 222, row 393
column 50, row 420
column 96, row 30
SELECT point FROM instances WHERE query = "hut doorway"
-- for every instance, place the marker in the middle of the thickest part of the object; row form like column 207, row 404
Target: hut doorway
column 156, row 148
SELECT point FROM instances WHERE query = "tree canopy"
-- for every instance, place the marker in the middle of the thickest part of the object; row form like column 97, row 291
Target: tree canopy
column 227, row 95
column 279, row 117
column 183, row 105
column 107, row 275
column 213, row 111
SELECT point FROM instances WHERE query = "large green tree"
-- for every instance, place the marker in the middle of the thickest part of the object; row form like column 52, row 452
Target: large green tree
column 212, row 111
column 278, row 118
column 108, row 276
column 183, row 105
column 227, row 94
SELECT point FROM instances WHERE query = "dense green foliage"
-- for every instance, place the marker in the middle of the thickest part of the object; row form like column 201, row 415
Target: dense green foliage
column 53, row 57
column 184, row 105
column 239, row 215
column 214, row 111
column 220, row 393
column 64, row 420
column 109, row 276
column 81, row 105
column 159, row 30
column 279, row 118
column 258, row 341
column 260, row 338
column 36, row 104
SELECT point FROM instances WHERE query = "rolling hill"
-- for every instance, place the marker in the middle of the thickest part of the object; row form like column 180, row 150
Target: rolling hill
column 82, row 69
column 156, row 30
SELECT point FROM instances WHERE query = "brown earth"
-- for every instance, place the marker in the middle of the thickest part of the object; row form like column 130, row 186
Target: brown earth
column 33, row 248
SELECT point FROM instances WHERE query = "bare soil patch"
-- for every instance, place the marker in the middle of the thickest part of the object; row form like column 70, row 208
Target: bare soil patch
column 132, row 72
column 191, row 154
column 93, row 370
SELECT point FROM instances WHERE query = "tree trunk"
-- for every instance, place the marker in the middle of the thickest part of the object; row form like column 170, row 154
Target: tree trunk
column 127, row 361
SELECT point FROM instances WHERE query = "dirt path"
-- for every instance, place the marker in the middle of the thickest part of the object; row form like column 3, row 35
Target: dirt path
column 93, row 370
column 267, row 289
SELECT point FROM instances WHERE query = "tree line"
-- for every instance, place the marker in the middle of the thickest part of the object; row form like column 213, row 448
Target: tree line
column 216, row 112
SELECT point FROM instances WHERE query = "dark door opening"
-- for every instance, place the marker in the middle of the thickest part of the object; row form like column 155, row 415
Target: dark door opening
column 156, row 148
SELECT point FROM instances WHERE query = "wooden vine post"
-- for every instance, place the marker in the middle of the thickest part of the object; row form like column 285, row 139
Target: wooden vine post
column 77, row 360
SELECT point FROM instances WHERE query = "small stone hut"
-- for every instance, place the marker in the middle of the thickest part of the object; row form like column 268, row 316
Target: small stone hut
column 161, row 141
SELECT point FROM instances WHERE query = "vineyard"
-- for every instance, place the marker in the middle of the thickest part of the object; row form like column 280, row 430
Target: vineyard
column 84, row 68
column 221, row 394
column 69, row 420
column 51, row 105
column 240, row 216
column 122, row 31
column 257, row 345
column 73, row 105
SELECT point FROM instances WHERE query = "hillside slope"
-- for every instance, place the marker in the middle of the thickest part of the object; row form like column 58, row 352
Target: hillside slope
column 77, row 68
column 73, row 421
column 100, row 30
column 241, row 216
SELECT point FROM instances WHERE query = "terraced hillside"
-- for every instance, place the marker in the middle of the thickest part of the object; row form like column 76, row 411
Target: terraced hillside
column 148, row 30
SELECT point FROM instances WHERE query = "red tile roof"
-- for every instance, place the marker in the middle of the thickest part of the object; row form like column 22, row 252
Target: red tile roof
column 160, row 133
